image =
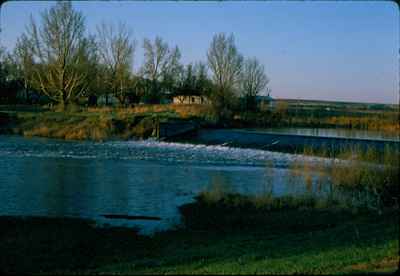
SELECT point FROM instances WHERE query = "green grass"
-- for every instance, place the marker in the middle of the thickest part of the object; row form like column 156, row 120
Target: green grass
column 325, row 251
column 363, row 243
column 221, row 233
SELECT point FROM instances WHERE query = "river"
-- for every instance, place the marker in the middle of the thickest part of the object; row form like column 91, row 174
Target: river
column 57, row 178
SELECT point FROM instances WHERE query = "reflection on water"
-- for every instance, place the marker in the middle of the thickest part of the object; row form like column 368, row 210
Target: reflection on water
column 334, row 132
column 86, row 179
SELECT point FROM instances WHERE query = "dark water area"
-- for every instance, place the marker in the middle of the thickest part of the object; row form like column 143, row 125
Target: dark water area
column 57, row 178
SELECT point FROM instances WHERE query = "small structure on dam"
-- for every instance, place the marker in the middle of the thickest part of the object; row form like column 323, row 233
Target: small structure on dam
column 169, row 129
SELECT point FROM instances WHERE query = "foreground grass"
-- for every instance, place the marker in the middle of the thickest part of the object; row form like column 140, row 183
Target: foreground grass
column 340, row 249
column 323, row 242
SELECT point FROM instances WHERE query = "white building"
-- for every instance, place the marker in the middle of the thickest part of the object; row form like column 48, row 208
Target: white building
column 190, row 99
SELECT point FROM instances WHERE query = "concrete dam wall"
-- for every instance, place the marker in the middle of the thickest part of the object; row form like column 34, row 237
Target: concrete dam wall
column 274, row 141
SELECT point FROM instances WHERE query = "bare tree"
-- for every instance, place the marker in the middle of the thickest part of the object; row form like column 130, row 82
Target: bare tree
column 156, row 59
column 59, row 47
column 253, row 81
column 23, row 57
column 91, row 66
column 5, row 93
column 225, row 63
column 116, row 52
column 172, row 71
column 161, row 65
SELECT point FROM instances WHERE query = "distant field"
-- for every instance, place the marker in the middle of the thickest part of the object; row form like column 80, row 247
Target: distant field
column 339, row 104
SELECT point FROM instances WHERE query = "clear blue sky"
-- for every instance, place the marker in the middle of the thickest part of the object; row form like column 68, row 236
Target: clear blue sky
column 336, row 50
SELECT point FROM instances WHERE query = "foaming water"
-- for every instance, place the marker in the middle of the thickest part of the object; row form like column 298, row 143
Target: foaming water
column 48, row 177
column 150, row 150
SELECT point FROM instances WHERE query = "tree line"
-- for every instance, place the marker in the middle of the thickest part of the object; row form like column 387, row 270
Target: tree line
column 57, row 59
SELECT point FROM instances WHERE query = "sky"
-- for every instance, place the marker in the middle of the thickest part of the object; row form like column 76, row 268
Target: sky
column 322, row 50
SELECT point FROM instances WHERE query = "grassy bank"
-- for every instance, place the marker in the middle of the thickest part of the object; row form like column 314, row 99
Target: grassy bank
column 290, row 241
column 95, row 123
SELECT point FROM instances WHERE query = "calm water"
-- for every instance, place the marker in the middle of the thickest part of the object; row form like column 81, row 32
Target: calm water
column 334, row 132
column 48, row 177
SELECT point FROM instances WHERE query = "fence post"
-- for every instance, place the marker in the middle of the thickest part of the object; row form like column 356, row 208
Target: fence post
column 156, row 128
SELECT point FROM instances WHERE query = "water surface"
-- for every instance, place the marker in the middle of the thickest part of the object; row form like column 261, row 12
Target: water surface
column 49, row 177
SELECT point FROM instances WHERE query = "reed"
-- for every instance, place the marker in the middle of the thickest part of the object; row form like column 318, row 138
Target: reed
column 359, row 178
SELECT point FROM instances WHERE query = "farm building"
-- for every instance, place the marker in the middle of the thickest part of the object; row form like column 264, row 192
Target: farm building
column 265, row 102
column 190, row 99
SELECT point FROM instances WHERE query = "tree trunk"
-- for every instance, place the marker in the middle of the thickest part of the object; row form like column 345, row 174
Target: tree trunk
column 26, row 92
column 61, row 106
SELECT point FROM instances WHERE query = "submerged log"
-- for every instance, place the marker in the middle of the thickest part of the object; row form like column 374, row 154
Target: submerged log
column 110, row 216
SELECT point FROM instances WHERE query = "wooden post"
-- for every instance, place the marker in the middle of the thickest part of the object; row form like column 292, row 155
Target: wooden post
column 158, row 128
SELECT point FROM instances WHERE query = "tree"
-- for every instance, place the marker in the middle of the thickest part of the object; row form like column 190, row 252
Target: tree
column 187, row 81
column 59, row 48
column 161, row 66
column 193, row 81
column 3, row 71
column 23, row 58
column 116, row 51
column 91, row 66
column 225, row 63
column 3, row 76
column 203, row 83
column 10, row 79
column 253, row 81
column 172, row 72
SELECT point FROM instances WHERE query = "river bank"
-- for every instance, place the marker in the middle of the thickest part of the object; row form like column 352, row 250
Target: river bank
column 142, row 121
column 316, row 241
column 96, row 124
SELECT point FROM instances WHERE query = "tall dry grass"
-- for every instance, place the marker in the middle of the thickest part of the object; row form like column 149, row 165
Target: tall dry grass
column 358, row 178
column 181, row 110
column 96, row 128
column 375, row 123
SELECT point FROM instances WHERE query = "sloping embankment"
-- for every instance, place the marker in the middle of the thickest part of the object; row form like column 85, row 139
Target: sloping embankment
column 92, row 126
